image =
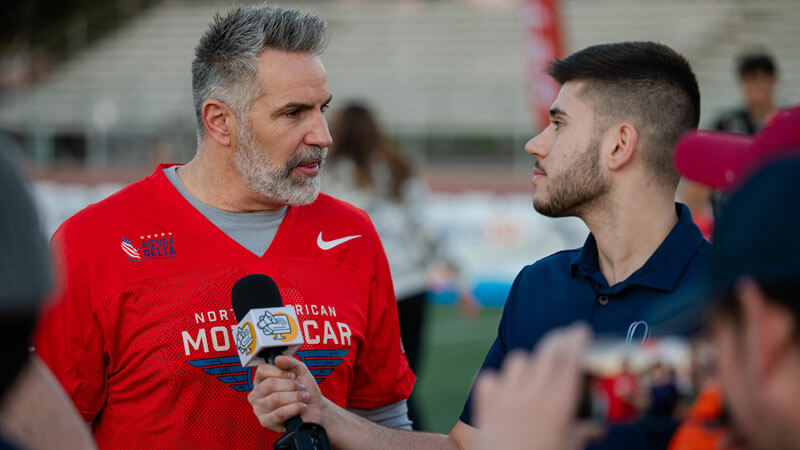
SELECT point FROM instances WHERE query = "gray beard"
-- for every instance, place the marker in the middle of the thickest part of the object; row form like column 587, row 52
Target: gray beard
column 258, row 171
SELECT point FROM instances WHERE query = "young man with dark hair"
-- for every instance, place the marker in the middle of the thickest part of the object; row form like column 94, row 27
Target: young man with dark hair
column 751, row 296
column 606, row 157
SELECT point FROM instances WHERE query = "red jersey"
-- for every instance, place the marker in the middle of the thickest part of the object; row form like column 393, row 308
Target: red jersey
column 140, row 334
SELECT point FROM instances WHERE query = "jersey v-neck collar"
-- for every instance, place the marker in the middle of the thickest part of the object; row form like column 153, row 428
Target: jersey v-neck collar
column 180, row 205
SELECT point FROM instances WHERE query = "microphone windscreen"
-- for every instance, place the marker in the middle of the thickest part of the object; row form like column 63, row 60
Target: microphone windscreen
column 254, row 291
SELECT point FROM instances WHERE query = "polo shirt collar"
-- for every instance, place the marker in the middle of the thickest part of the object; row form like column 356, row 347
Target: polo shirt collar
column 664, row 267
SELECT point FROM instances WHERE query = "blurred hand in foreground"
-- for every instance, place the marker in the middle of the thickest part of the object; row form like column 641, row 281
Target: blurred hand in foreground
column 532, row 402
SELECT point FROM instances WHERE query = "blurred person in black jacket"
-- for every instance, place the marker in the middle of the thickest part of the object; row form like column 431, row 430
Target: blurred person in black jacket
column 35, row 412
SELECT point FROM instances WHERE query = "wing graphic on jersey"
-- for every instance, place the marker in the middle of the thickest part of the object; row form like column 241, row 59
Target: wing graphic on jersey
column 321, row 362
column 229, row 370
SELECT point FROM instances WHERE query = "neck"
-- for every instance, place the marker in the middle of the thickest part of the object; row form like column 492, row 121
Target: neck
column 217, row 182
column 629, row 228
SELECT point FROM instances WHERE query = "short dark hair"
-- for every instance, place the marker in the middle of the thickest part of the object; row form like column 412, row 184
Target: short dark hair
column 647, row 83
column 756, row 63
column 224, row 66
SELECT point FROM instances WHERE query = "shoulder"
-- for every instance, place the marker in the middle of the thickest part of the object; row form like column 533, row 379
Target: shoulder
column 94, row 219
column 704, row 250
column 557, row 262
column 549, row 272
column 700, row 261
column 330, row 218
column 326, row 207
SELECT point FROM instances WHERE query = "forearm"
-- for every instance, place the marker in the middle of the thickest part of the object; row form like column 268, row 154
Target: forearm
column 352, row 432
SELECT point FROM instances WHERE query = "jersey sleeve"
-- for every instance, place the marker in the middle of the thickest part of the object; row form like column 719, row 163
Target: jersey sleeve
column 68, row 336
column 381, row 373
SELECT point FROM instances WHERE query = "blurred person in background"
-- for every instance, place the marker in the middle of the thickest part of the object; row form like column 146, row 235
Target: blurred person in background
column 758, row 80
column 757, row 73
column 35, row 412
column 755, row 321
column 622, row 395
column 363, row 168
column 607, row 158
column 140, row 331
column 663, row 389
column 725, row 161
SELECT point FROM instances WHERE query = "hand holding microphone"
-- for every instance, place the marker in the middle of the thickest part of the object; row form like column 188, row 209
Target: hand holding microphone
column 267, row 330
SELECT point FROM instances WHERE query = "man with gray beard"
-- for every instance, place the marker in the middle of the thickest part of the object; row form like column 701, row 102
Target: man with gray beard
column 140, row 332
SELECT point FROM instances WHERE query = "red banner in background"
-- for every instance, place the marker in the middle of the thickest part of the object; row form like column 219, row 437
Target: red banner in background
column 543, row 43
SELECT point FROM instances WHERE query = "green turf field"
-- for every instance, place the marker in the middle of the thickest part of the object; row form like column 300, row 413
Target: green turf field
column 453, row 351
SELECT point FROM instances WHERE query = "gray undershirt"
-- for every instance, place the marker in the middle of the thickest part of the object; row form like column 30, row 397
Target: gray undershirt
column 255, row 232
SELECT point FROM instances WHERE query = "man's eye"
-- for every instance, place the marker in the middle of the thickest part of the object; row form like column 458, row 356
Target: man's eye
column 324, row 108
column 557, row 123
column 293, row 113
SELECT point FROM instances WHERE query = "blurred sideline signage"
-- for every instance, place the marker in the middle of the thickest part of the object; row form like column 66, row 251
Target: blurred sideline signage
column 544, row 42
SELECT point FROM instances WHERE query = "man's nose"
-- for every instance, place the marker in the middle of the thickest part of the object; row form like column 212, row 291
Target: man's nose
column 539, row 145
column 319, row 135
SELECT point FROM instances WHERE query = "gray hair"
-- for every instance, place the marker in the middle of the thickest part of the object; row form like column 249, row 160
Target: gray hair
column 224, row 66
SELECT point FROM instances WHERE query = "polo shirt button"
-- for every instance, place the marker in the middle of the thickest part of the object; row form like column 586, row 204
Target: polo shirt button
column 602, row 299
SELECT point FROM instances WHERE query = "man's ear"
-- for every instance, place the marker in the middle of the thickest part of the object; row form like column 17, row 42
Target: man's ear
column 219, row 121
column 768, row 328
column 624, row 139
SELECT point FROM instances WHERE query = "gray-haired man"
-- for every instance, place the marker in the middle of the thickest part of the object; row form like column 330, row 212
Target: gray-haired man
column 140, row 335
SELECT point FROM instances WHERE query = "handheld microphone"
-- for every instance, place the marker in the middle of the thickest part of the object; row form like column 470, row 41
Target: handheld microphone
column 267, row 329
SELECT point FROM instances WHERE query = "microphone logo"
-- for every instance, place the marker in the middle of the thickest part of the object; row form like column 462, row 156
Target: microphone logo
column 245, row 339
column 281, row 326
column 275, row 329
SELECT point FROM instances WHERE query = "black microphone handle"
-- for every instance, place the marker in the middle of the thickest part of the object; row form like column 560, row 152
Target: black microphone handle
column 269, row 354
column 293, row 424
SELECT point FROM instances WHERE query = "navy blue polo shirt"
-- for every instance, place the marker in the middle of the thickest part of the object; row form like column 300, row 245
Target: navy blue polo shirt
column 568, row 287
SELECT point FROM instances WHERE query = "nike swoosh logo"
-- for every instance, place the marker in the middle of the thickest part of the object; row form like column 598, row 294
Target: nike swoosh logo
column 327, row 245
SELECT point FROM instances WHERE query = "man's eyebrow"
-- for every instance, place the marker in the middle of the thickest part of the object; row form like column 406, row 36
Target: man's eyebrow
column 303, row 106
column 556, row 111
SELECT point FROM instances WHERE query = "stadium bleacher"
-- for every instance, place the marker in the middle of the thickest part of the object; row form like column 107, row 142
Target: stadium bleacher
column 443, row 69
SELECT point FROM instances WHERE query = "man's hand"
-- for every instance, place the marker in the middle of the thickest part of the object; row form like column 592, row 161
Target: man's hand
column 533, row 401
column 283, row 391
